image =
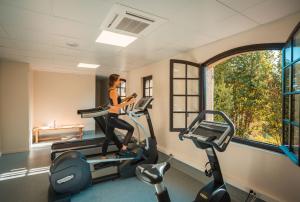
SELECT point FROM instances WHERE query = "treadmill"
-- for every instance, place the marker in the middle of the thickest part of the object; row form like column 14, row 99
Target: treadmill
column 93, row 146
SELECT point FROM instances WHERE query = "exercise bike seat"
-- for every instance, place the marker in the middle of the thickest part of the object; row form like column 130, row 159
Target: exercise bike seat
column 152, row 173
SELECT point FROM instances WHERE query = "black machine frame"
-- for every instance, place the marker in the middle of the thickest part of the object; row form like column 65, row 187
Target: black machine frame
column 205, row 135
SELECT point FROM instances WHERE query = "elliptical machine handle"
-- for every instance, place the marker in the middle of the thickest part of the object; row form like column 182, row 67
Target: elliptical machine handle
column 182, row 133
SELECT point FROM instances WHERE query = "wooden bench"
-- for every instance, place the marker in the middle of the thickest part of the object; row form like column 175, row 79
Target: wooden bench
column 36, row 131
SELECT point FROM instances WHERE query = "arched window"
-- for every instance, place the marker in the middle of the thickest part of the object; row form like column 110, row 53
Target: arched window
column 247, row 87
column 256, row 85
column 244, row 82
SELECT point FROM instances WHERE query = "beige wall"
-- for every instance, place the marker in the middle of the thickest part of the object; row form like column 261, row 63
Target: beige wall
column 273, row 176
column 14, row 106
column 58, row 96
column 0, row 111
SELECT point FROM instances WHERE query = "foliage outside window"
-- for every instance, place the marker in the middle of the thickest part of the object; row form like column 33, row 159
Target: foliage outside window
column 247, row 87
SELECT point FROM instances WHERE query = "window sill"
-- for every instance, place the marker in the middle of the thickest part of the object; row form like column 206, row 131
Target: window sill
column 290, row 154
column 259, row 145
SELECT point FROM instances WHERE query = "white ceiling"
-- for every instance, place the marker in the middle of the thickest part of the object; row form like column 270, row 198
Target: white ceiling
column 36, row 31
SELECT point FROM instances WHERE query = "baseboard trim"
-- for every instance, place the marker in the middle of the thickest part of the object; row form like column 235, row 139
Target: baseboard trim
column 15, row 151
column 198, row 174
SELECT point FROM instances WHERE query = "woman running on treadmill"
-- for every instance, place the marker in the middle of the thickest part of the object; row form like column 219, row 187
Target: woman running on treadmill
column 113, row 120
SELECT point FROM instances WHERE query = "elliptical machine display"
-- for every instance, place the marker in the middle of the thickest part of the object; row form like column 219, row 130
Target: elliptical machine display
column 207, row 135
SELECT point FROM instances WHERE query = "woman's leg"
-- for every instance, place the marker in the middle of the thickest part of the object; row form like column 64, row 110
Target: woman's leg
column 110, row 136
column 121, row 124
column 105, row 146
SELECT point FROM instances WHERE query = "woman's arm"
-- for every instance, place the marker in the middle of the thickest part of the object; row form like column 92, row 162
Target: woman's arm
column 114, row 96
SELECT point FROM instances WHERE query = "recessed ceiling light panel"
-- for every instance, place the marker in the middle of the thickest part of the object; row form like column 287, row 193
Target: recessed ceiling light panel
column 85, row 65
column 115, row 39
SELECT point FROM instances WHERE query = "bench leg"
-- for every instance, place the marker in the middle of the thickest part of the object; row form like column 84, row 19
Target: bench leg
column 37, row 133
column 80, row 133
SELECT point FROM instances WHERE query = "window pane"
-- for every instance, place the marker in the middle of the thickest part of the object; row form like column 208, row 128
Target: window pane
column 288, row 54
column 191, row 117
column 287, row 107
column 179, row 120
column 123, row 93
column 286, row 134
column 192, row 72
column 147, row 83
column 193, row 103
column 150, row 92
column 247, row 88
column 146, row 92
column 150, row 85
column 296, row 76
column 287, row 80
column 123, row 84
column 295, row 141
column 296, row 103
column 179, row 87
column 296, row 48
column 178, row 103
column 192, row 87
column 179, row 70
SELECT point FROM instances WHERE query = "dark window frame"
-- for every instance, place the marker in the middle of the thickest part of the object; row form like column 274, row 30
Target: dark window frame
column 200, row 94
column 145, row 79
column 289, row 121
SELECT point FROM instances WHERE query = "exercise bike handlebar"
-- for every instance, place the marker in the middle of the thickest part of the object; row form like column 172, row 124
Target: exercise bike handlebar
column 186, row 133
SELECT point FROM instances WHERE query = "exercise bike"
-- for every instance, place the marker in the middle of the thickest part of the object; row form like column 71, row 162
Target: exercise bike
column 206, row 135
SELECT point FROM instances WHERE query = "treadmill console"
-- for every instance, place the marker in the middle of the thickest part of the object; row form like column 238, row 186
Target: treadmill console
column 143, row 103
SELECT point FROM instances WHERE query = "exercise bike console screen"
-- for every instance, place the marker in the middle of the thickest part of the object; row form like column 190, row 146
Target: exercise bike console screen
column 211, row 129
column 210, row 133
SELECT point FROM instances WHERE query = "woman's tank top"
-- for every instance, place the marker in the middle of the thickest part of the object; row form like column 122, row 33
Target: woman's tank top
column 111, row 101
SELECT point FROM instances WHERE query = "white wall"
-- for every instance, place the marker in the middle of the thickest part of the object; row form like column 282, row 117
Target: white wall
column 271, row 175
column 58, row 96
column 14, row 106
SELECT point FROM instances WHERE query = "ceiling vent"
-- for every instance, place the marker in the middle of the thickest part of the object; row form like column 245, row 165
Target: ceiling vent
column 126, row 20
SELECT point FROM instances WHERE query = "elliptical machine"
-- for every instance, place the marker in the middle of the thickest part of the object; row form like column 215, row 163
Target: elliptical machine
column 206, row 135
column 72, row 172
